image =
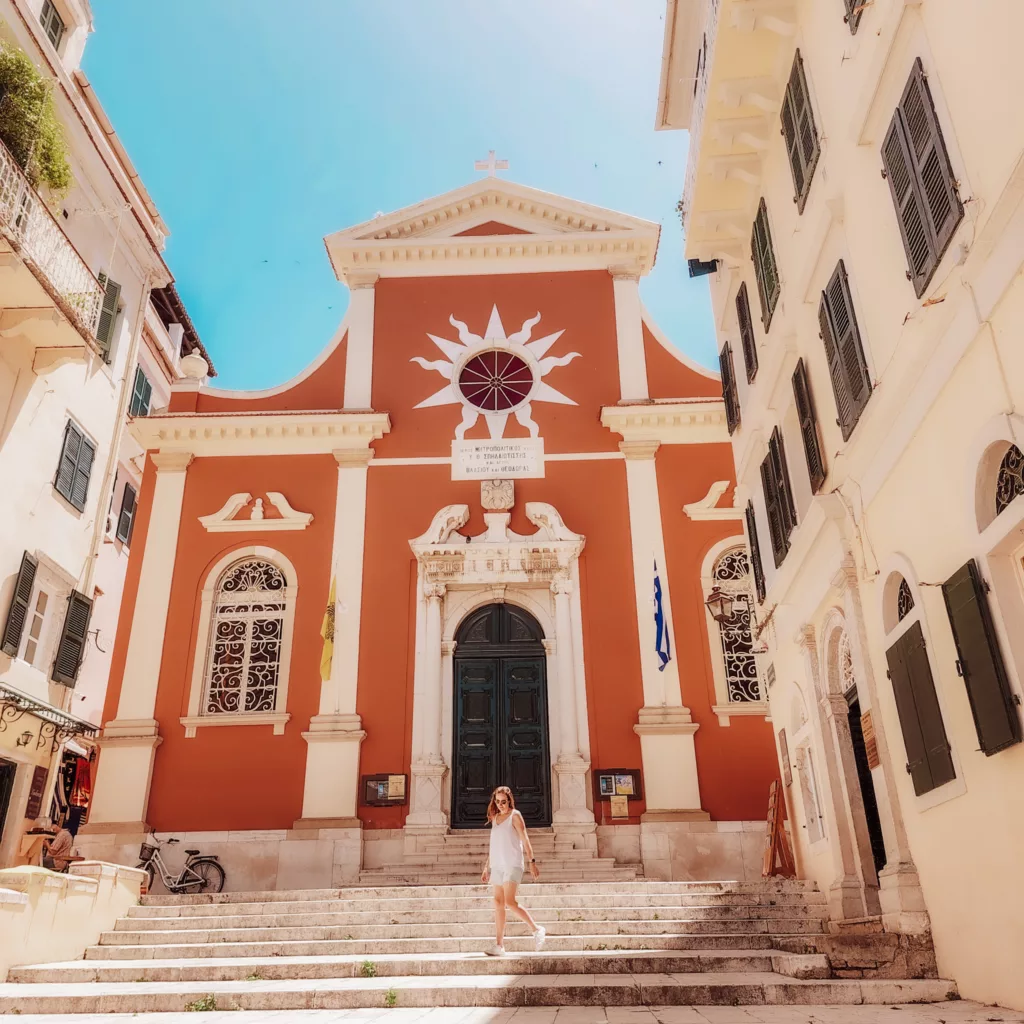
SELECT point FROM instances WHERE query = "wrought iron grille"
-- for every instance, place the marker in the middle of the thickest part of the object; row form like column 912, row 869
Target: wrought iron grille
column 1010, row 482
column 847, row 680
column 732, row 576
column 904, row 601
column 246, row 638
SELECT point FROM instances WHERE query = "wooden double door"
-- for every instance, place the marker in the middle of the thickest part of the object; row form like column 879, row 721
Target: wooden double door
column 500, row 735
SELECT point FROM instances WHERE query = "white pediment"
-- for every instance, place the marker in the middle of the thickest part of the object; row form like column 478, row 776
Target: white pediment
column 421, row 240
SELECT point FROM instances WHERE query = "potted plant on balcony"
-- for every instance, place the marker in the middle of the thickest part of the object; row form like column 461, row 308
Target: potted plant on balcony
column 29, row 126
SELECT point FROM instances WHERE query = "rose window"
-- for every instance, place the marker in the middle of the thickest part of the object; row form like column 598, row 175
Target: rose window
column 495, row 381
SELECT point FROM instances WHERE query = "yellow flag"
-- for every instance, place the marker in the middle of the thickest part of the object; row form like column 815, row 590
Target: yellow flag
column 327, row 632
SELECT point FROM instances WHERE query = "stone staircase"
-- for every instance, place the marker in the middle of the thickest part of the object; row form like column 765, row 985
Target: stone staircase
column 458, row 857
column 613, row 943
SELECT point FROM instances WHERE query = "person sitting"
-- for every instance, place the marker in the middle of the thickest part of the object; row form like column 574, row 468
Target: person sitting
column 57, row 852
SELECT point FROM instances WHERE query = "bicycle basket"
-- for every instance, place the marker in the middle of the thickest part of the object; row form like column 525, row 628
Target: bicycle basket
column 146, row 853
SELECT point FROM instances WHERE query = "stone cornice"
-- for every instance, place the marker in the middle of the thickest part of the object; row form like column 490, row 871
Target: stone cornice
column 699, row 421
column 250, row 433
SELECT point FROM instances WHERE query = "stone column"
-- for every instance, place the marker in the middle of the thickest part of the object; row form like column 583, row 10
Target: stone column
column 128, row 743
column 664, row 725
column 900, row 895
column 429, row 769
column 570, row 767
column 359, row 352
column 331, row 790
column 629, row 334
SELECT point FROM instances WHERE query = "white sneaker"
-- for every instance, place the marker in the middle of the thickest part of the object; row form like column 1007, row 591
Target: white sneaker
column 538, row 938
column 495, row 951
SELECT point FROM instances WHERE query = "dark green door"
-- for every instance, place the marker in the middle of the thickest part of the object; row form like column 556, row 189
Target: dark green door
column 8, row 769
column 501, row 722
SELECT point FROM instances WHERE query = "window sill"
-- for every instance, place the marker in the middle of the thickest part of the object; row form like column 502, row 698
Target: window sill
column 276, row 719
column 741, row 708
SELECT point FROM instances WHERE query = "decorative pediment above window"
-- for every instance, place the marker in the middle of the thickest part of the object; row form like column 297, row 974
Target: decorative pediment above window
column 229, row 518
column 498, row 555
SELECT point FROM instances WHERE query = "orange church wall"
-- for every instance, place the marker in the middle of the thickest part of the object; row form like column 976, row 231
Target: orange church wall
column 324, row 388
column 401, row 501
column 406, row 309
column 669, row 377
column 736, row 763
column 248, row 777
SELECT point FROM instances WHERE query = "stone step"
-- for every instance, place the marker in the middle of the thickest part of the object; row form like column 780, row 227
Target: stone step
column 670, row 926
column 695, row 989
column 758, row 887
column 413, row 964
column 384, row 947
column 536, row 899
column 483, row 915
column 413, row 877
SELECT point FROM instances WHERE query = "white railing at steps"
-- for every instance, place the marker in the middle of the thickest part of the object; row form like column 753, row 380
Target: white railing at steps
column 39, row 238
column 700, row 102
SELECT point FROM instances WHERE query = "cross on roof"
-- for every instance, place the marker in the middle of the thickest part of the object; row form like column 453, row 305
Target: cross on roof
column 491, row 165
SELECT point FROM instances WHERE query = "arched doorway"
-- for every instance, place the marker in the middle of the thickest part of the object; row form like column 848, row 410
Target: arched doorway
column 500, row 735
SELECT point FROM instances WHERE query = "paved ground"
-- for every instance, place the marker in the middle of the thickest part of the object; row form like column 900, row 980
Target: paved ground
column 930, row 1013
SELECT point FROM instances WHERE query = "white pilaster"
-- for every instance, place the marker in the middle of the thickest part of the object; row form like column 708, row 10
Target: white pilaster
column 664, row 725
column 570, row 768
column 429, row 769
column 331, row 788
column 359, row 352
column 629, row 334
column 129, row 742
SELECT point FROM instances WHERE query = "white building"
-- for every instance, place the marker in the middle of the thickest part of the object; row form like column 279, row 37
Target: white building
column 76, row 320
column 854, row 191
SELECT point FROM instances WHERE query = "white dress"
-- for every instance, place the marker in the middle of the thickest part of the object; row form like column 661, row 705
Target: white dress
column 506, row 854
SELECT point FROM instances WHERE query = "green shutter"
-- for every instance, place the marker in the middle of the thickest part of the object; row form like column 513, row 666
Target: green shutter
column 732, row 401
column 765, row 269
column 126, row 517
column 108, row 315
column 981, row 661
column 746, row 332
column 142, row 394
column 808, row 426
column 17, row 614
column 844, row 351
column 755, row 551
column 854, row 9
column 83, row 470
column 929, row 762
column 800, row 132
column 71, row 649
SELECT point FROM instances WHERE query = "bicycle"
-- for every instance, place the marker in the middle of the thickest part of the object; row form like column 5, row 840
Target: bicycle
column 200, row 874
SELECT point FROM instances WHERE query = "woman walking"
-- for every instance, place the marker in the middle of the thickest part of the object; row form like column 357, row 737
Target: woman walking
column 505, row 865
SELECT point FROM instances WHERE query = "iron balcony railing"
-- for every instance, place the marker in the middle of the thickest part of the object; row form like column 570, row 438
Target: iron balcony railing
column 38, row 238
column 700, row 102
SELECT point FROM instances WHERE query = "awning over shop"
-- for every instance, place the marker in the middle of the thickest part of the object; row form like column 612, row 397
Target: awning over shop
column 57, row 726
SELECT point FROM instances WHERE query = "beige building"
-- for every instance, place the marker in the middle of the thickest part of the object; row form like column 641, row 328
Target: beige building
column 90, row 331
column 853, row 192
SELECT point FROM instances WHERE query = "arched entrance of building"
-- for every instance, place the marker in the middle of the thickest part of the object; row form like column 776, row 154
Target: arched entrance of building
column 500, row 735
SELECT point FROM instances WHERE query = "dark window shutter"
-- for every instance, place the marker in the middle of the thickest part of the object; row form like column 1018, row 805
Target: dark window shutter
column 108, row 314
column 924, row 736
column 765, row 269
column 142, row 394
column 126, row 518
column 71, row 648
column 808, row 426
column 921, row 180
column 732, row 401
column 83, row 470
column 776, row 531
column 64, row 481
column 847, row 365
column 755, row 552
column 746, row 332
column 777, row 448
column 854, row 9
column 981, row 661
column 800, row 132
column 17, row 614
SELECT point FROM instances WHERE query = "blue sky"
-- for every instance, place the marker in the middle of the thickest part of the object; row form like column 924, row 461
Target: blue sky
column 259, row 127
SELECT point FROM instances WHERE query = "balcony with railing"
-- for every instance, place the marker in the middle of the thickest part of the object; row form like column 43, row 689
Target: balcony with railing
column 48, row 295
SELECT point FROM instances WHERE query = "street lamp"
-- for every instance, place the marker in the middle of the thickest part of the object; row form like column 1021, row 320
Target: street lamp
column 24, row 739
column 720, row 605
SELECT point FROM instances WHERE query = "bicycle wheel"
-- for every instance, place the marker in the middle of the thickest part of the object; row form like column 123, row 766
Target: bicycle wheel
column 202, row 875
column 147, row 866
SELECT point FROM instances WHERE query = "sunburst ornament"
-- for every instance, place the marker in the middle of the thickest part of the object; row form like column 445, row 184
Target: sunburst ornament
column 496, row 375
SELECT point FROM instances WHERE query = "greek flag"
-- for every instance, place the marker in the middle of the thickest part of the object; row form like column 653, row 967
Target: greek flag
column 662, row 646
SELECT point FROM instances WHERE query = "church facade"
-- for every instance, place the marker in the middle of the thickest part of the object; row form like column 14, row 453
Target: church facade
column 469, row 546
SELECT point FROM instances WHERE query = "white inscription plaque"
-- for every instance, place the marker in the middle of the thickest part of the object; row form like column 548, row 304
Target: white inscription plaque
column 491, row 460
